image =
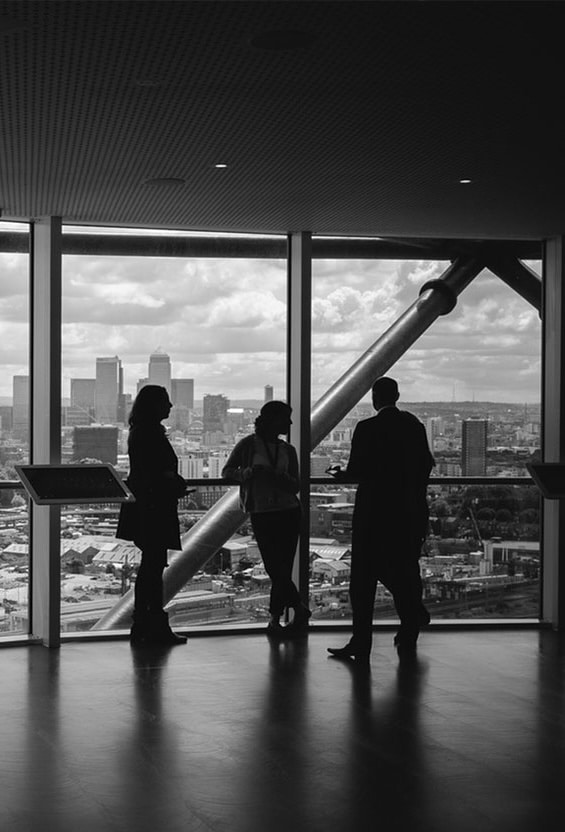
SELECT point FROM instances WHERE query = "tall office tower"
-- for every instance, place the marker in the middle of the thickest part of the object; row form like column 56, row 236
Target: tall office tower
column 20, row 406
column 160, row 370
column 268, row 393
column 214, row 413
column 6, row 416
column 81, row 410
column 182, row 392
column 96, row 442
column 474, row 448
column 434, row 428
column 109, row 392
column 182, row 397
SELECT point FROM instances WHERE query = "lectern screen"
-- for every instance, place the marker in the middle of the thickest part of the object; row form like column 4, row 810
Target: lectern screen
column 67, row 484
column 549, row 478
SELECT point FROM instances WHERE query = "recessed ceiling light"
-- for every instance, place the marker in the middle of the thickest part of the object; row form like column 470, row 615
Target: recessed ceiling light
column 164, row 182
column 465, row 181
column 220, row 166
column 282, row 39
column 148, row 83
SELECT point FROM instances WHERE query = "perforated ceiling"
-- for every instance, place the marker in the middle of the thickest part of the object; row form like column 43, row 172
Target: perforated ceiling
column 362, row 120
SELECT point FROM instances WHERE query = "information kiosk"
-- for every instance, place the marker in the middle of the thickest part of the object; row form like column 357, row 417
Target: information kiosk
column 549, row 478
column 69, row 484
column 50, row 487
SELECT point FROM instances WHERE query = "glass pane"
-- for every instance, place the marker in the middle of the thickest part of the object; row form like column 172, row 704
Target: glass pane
column 481, row 558
column 212, row 330
column 473, row 379
column 14, row 433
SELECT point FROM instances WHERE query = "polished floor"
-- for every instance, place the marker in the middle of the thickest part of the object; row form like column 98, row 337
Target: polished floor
column 234, row 734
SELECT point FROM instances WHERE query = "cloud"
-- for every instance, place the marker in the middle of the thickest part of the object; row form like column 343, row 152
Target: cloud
column 223, row 322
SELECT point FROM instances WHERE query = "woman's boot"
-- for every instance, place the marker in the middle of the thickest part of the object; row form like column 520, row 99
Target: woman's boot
column 140, row 628
column 160, row 631
column 299, row 624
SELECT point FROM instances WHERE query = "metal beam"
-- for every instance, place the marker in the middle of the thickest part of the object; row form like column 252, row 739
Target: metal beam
column 519, row 277
column 147, row 243
column 201, row 542
column 45, row 398
column 553, row 430
column 436, row 298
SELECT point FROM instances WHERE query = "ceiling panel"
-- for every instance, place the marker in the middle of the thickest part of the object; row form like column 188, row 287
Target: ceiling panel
column 355, row 118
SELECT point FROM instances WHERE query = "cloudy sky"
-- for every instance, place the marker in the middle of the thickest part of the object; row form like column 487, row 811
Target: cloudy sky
column 223, row 323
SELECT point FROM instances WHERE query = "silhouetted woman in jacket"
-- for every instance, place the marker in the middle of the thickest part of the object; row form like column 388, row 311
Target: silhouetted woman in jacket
column 267, row 469
column 152, row 521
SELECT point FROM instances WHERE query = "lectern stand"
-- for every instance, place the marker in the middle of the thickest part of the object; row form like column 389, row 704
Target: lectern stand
column 51, row 486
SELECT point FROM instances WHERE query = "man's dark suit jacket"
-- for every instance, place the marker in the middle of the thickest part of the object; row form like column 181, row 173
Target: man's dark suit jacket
column 391, row 460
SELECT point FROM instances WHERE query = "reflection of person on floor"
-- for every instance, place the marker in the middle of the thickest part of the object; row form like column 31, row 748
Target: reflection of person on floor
column 152, row 520
column 391, row 461
column 266, row 467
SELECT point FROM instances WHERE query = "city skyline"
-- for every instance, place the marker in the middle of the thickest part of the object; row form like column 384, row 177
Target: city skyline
column 223, row 323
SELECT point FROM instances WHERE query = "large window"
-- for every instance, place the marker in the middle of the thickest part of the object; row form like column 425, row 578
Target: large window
column 14, row 431
column 473, row 378
column 206, row 316
column 212, row 329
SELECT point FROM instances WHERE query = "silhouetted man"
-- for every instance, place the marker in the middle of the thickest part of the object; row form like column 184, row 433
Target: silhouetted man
column 391, row 460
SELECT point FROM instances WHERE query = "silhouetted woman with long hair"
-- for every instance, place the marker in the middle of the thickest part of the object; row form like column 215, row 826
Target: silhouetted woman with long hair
column 152, row 521
column 267, row 469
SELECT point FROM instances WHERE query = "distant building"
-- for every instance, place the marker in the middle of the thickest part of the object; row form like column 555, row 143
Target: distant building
column 6, row 411
column 182, row 397
column 191, row 467
column 215, row 465
column 160, row 370
column 434, row 429
column 20, row 405
column 334, row 571
column 109, row 391
column 474, row 448
column 82, row 405
column 98, row 442
column 268, row 393
column 214, row 413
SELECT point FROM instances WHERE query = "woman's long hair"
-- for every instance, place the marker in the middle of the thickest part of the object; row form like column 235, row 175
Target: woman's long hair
column 145, row 409
column 268, row 414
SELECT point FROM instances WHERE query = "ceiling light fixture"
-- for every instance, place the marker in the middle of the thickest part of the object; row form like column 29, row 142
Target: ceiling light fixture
column 282, row 40
column 165, row 182
column 220, row 166
column 465, row 181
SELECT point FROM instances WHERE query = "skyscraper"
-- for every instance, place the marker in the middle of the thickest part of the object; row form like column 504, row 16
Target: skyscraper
column 182, row 397
column 109, row 391
column 474, row 448
column 214, row 412
column 182, row 392
column 268, row 393
column 160, row 370
column 434, row 428
column 82, row 409
column 20, row 406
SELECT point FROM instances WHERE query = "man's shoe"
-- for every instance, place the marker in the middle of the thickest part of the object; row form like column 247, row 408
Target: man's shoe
column 403, row 638
column 410, row 638
column 349, row 652
column 299, row 624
